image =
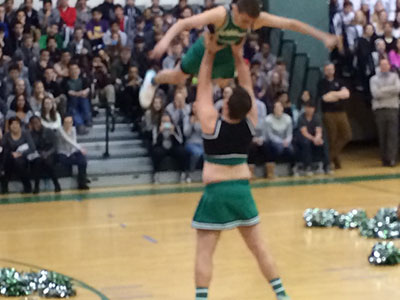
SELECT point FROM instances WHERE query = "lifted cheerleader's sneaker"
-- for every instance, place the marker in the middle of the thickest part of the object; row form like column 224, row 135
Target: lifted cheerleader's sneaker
column 147, row 90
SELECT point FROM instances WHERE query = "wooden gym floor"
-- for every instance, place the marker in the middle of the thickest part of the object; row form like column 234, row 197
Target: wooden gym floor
column 136, row 242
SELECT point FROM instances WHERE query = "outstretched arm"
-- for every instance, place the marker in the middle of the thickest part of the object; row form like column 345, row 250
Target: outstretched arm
column 206, row 111
column 269, row 20
column 214, row 16
column 244, row 78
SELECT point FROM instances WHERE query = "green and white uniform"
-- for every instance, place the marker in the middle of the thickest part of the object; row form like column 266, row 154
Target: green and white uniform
column 224, row 64
column 228, row 204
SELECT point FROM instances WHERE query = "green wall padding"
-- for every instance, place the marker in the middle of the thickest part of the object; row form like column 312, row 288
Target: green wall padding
column 313, row 12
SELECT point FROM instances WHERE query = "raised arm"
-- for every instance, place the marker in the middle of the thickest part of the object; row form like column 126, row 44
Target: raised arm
column 244, row 78
column 214, row 16
column 269, row 20
column 206, row 111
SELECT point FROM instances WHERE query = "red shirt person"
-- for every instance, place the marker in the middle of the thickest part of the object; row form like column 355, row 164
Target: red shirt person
column 67, row 13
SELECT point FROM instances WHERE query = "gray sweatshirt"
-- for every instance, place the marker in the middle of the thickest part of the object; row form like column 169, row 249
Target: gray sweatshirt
column 385, row 89
column 279, row 129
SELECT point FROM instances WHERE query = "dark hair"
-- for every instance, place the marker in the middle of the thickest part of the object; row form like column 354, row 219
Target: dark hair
column 13, row 105
column 96, row 9
column 347, row 3
column 250, row 7
column 239, row 103
column 309, row 104
column 52, row 113
column 114, row 22
column 13, row 66
column 118, row 6
column 33, row 118
column 14, row 119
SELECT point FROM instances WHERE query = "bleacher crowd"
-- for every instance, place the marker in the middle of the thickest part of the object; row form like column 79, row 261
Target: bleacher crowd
column 60, row 64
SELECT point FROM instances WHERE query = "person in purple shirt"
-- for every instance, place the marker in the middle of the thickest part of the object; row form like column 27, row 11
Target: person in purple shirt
column 96, row 28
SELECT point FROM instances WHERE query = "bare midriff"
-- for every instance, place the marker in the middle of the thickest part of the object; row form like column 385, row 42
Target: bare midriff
column 213, row 173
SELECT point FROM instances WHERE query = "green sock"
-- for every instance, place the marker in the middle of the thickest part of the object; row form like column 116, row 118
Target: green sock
column 278, row 287
column 201, row 293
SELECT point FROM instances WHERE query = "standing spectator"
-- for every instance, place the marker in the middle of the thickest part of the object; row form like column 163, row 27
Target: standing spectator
column 96, row 28
column 50, row 118
column 47, row 15
column 279, row 131
column 380, row 53
column 79, row 45
column 365, row 67
column 194, row 141
column 19, row 108
column 311, row 142
column 45, row 142
column 131, row 11
column 266, row 58
column 70, row 153
column 17, row 146
column 77, row 89
column 385, row 89
column 67, row 13
column 109, row 37
column 394, row 57
column 333, row 95
column 83, row 14
column 107, row 9
column 156, row 9
column 168, row 141
column 32, row 19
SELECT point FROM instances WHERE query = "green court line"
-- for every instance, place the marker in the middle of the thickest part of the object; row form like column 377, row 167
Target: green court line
column 190, row 189
column 75, row 281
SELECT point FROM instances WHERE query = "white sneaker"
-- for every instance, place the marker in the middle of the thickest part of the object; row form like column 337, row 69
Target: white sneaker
column 283, row 298
column 147, row 90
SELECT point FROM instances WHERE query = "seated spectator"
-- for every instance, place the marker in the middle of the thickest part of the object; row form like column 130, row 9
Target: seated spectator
column 8, row 82
column 311, row 142
column 37, row 69
column 48, row 15
column 54, row 88
column 126, row 24
column 379, row 54
column 390, row 41
column 394, row 57
column 168, row 141
column 152, row 117
column 32, row 19
column 187, row 12
column 280, row 67
column 9, row 10
column 4, row 25
column 156, row 9
column 174, row 55
column 178, row 9
column 105, row 91
column 79, row 45
column 365, row 67
column 178, row 110
column 385, row 89
column 279, row 132
column 83, row 14
column 51, row 31
column 251, row 46
column 30, row 52
column 4, row 61
column 274, row 89
column 14, row 41
column 45, row 142
column 19, row 89
column 131, row 11
column 333, row 95
column 227, row 93
column 17, row 146
column 62, row 67
column 343, row 19
column 129, row 100
column 283, row 98
column 208, row 4
column 194, row 141
column 96, row 28
column 67, row 13
column 38, row 95
column 396, row 26
column 266, row 59
column 50, row 118
column 114, row 35
column 19, row 108
column 107, row 10
column 70, row 153
column 18, row 59
column 55, row 52
column 298, row 109
column 380, row 23
column 77, row 89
